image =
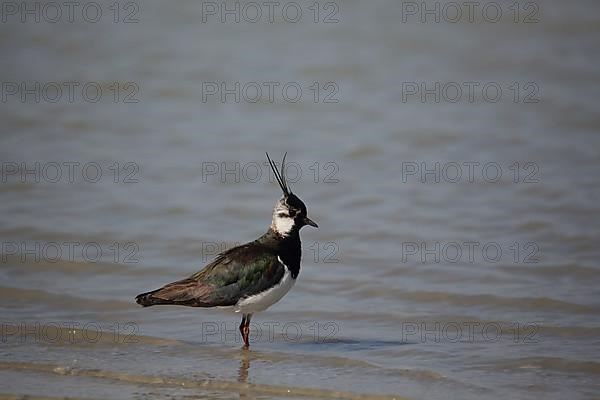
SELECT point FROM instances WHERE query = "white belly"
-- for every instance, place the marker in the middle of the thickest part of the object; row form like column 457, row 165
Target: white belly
column 264, row 300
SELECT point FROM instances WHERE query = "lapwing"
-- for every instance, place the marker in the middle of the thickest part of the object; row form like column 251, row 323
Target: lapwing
column 251, row 277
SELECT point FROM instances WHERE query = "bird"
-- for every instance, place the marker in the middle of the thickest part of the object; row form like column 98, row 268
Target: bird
column 249, row 278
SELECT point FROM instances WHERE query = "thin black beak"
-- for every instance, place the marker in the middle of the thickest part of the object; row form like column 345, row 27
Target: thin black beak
column 308, row 221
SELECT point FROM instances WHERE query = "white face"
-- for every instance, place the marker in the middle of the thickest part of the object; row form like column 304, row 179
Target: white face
column 282, row 222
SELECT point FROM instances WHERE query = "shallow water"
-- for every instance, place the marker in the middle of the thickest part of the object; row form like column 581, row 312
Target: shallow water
column 402, row 291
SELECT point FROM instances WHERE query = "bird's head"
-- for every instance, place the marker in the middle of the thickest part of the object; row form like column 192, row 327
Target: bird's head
column 289, row 214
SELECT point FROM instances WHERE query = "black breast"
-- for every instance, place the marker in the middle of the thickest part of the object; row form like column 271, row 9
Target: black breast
column 289, row 249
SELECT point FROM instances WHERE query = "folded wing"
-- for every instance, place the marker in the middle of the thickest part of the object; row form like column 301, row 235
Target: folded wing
column 235, row 274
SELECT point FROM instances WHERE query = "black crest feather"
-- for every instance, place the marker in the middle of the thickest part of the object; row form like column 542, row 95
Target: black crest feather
column 280, row 176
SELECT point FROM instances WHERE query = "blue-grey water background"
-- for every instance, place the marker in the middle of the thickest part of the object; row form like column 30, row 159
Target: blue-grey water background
column 367, row 315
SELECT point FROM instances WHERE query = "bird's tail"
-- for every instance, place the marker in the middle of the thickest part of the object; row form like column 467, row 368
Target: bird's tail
column 147, row 299
column 186, row 292
column 150, row 299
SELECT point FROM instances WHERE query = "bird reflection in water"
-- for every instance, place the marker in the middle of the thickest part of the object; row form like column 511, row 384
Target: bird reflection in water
column 243, row 373
column 244, row 367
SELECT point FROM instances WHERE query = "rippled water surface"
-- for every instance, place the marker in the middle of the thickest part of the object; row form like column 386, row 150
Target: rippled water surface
column 474, row 286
